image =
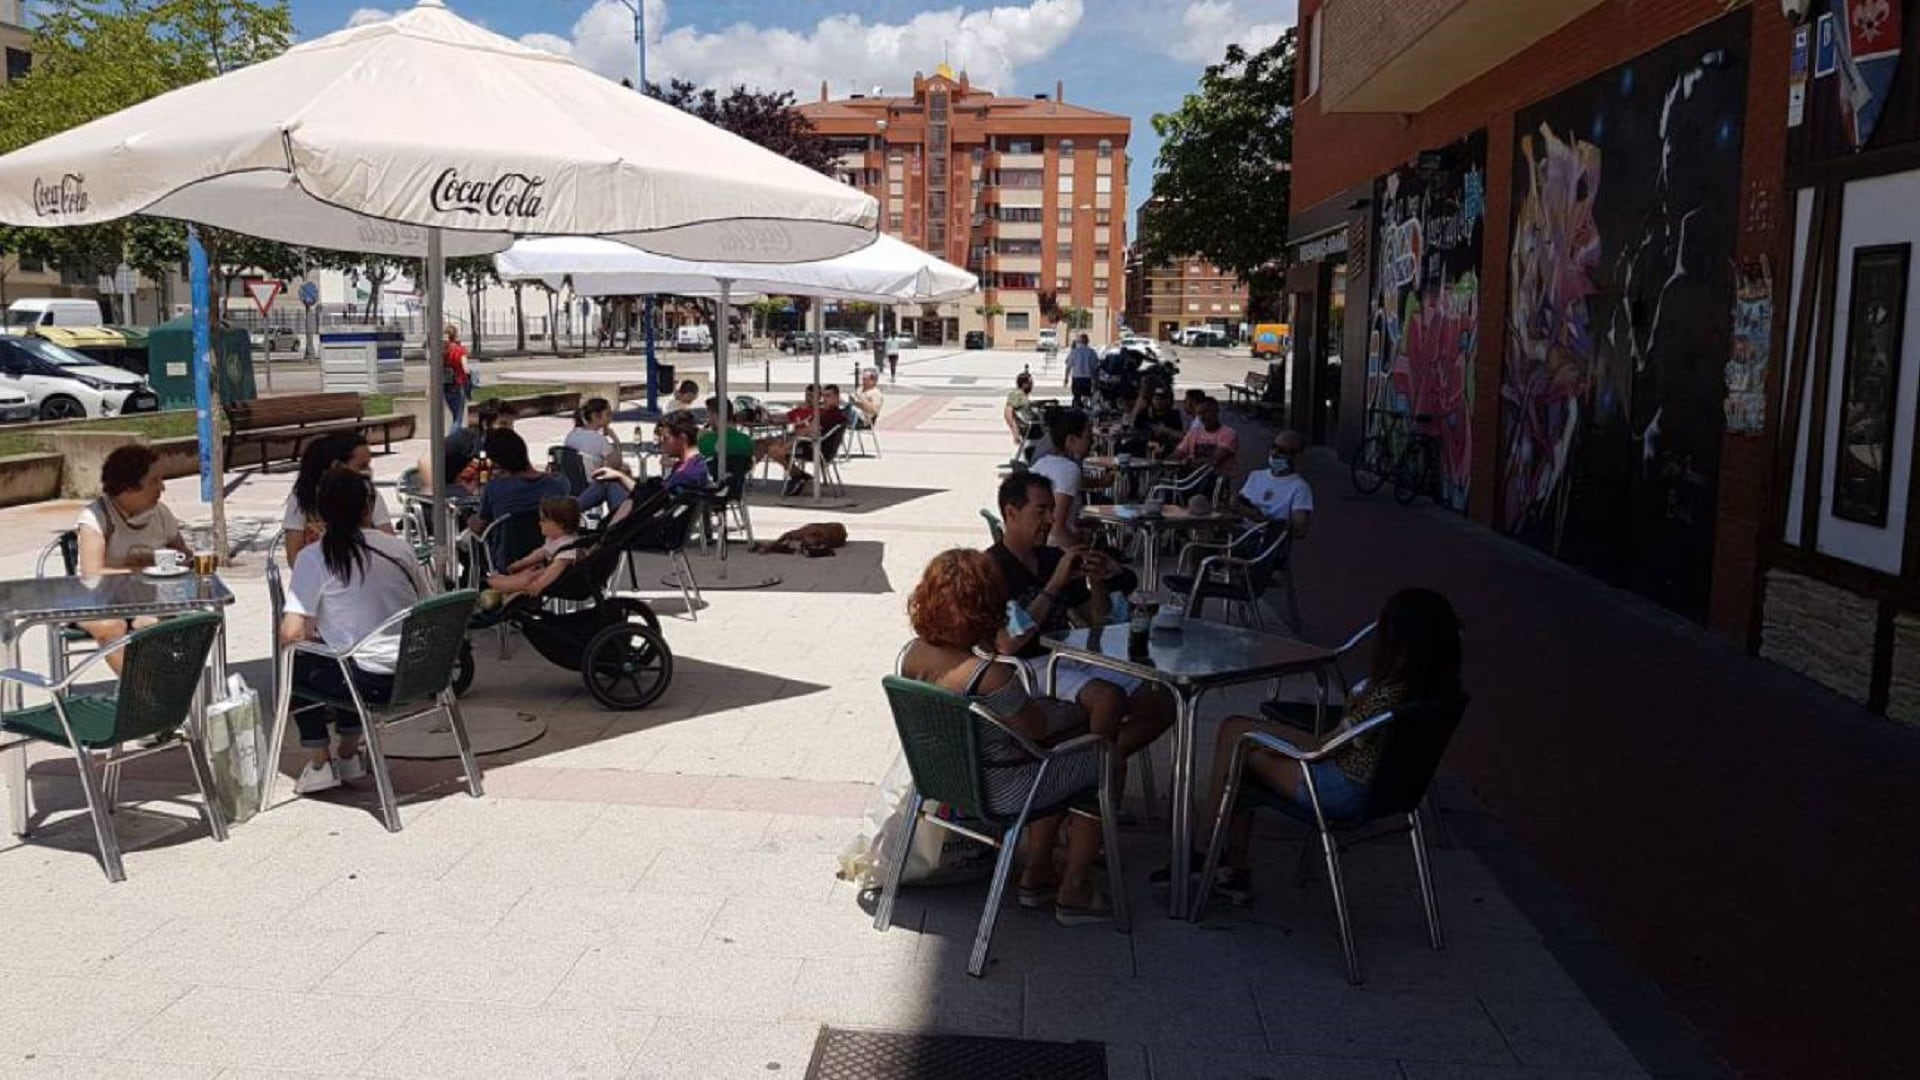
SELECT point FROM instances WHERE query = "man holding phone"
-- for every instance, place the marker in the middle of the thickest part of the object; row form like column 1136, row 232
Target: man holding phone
column 1046, row 585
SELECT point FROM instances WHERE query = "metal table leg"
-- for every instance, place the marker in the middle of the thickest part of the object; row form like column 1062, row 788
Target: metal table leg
column 1187, row 712
column 15, row 765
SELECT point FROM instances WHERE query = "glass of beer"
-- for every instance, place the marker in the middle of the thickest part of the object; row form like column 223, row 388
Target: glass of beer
column 205, row 563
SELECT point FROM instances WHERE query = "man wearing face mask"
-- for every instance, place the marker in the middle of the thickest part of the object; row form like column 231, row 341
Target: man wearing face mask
column 1278, row 493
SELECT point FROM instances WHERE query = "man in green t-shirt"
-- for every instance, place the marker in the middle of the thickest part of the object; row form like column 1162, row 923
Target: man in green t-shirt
column 739, row 443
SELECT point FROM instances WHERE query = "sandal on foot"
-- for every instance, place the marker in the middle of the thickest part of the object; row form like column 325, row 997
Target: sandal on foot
column 1035, row 897
column 1101, row 910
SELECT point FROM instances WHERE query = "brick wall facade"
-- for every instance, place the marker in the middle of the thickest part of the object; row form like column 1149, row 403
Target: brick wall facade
column 1333, row 152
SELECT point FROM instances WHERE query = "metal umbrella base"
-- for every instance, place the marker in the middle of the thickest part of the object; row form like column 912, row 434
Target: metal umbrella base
column 492, row 728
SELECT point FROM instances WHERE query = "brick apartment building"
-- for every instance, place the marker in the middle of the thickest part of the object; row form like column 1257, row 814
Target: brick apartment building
column 1166, row 298
column 1648, row 273
column 1028, row 193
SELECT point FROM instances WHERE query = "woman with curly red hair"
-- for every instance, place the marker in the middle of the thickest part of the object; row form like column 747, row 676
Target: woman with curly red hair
column 956, row 611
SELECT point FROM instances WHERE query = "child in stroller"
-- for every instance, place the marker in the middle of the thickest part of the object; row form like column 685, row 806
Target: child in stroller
column 577, row 621
column 532, row 574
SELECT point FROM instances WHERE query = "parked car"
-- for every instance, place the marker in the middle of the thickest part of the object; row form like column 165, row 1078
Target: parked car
column 836, row 341
column 1202, row 337
column 1141, row 344
column 976, row 339
column 846, row 341
column 15, row 407
column 66, row 385
column 1049, row 340
column 277, row 339
column 693, row 339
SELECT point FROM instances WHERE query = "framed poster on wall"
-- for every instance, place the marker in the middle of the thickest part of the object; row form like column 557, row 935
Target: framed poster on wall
column 1876, row 323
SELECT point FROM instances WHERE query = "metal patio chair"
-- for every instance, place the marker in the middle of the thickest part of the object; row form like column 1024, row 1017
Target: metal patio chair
column 1411, row 740
column 158, row 681
column 66, row 640
column 942, row 735
column 432, row 632
column 1239, row 574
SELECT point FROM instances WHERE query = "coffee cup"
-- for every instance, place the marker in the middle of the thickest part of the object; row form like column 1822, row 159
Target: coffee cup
column 168, row 561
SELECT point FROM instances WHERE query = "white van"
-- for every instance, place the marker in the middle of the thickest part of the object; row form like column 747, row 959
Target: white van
column 24, row 315
column 1049, row 340
column 693, row 339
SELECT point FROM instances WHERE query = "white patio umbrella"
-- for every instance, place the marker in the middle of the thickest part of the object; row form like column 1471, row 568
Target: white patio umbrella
column 426, row 135
column 887, row 271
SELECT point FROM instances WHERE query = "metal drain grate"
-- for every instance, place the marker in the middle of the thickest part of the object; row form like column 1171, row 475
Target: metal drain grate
column 879, row 1055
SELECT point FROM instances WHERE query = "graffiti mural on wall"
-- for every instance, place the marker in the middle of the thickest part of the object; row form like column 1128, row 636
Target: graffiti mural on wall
column 1426, row 315
column 1626, row 205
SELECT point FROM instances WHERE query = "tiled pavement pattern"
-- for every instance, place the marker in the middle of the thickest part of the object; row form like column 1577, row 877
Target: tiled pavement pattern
column 653, row 895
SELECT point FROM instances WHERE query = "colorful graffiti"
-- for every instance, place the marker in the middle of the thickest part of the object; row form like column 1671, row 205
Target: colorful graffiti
column 1614, row 382
column 1426, row 314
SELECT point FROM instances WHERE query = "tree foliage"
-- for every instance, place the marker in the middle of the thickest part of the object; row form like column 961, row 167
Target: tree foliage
column 1222, row 180
column 767, row 118
column 95, row 57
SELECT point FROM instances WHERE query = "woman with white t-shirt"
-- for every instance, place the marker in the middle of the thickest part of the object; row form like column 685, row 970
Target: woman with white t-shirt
column 120, row 531
column 349, row 582
column 592, row 438
column 300, row 519
column 1071, row 434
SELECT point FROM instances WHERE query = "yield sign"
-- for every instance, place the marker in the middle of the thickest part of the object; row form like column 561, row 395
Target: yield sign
column 264, row 293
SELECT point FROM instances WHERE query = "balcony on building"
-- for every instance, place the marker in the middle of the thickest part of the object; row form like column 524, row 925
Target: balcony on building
column 1397, row 56
column 1016, row 161
column 1015, row 230
column 1013, row 264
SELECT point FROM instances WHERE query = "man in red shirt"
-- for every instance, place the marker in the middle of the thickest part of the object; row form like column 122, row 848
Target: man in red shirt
column 455, row 379
column 1210, row 442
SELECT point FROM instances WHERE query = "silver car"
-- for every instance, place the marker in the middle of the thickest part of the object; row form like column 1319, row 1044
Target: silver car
column 14, row 407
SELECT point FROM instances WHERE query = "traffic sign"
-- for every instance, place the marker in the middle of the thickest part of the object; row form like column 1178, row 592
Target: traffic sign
column 264, row 293
column 309, row 293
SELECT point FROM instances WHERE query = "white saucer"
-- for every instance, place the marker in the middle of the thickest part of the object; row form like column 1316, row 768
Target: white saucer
column 178, row 571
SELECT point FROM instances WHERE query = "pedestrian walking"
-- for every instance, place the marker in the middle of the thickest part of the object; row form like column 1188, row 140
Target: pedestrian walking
column 1081, row 362
column 455, row 380
column 893, row 359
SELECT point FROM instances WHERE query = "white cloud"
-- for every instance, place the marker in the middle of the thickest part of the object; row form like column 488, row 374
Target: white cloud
column 847, row 51
column 365, row 15
column 1207, row 27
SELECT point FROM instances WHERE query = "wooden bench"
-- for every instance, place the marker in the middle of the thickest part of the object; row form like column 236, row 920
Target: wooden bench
column 299, row 419
column 1252, row 389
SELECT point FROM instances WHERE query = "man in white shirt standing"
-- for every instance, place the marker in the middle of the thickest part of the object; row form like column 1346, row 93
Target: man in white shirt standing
column 1278, row 493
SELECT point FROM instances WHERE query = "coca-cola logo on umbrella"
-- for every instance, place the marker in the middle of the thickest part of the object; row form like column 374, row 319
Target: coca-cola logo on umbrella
column 56, row 198
column 511, row 195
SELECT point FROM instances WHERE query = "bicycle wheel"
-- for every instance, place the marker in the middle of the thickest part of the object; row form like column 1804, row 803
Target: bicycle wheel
column 1370, row 465
column 1413, row 473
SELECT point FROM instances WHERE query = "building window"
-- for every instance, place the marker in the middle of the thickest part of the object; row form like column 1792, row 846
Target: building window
column 1066, row 148
column 1193, row 305
column 979, row 154
column 1101, row 254
column 1017, row 320
column 896, row 222
column 1313, row 54
column 1016, row 247
column 1103, row 217
column 897, row 158
column 1100, row 286
column 1066, row 183
column 1063, row 250
column 1106, row 148
column 1020, row 179
column 19, row 63
column 1066, row 217
column 1103, row 185
column 1013, row 280
column 1010, row 145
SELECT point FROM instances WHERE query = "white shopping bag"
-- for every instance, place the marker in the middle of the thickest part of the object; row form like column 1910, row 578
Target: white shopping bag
column 235, row 744
column 938, row 855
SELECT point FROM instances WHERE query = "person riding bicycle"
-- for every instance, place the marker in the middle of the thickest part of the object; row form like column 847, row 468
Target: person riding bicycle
column 1278, row 493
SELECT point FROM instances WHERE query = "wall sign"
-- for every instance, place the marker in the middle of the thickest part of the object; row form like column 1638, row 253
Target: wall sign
column 1752, row 348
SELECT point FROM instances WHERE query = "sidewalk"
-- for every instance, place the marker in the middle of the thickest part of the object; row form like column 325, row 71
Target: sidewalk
column 653, row 894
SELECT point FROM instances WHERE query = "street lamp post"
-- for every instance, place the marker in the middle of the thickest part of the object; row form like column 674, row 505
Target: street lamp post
column 639, row 9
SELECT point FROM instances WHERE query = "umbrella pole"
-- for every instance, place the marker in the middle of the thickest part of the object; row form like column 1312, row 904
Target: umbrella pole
column 436, row 406
column 726, row 409
column 819, row 332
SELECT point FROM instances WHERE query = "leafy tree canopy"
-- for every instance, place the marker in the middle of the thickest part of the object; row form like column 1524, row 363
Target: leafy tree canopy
column 767, row 118
column 1222, row 179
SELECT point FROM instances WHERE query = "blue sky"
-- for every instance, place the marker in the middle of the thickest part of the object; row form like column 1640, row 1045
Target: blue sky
column 1133, row 57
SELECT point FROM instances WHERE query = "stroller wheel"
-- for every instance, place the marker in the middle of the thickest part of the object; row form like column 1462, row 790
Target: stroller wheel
column 627, row 666
column 463, row 670
column 627, row 609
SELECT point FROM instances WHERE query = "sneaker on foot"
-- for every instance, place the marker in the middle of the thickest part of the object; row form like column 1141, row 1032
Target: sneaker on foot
column 796, row 485
column 314, row 778
column 349, row 769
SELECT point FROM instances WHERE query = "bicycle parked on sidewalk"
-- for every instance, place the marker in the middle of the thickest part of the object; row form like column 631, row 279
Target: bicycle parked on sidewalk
column 1407, row 455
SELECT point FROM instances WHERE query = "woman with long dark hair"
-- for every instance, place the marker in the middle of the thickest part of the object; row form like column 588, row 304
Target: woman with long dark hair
column 1416, row 657
column 301, row 519
column 349, row 582
column 592, row 438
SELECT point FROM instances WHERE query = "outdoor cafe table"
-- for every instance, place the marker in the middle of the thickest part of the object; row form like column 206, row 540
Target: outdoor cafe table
column 1200, row 656
column 1133, row 473
column 1170, row 519
column 54, row 602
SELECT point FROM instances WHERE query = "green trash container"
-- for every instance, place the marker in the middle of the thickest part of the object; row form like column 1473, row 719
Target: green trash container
column 170, row 363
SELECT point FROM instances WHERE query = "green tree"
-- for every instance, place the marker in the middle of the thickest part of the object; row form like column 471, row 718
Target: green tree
column 1222, row 181
column 473, row 273
column 989, row 312
column 1076, row 318
column 767, row 118
column 95, row 57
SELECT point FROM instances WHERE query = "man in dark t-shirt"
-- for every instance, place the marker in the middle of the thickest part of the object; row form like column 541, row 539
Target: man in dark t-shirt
column 1046, row 585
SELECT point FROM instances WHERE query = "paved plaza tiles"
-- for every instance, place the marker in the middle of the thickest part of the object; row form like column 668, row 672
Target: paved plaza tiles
column 654, row 894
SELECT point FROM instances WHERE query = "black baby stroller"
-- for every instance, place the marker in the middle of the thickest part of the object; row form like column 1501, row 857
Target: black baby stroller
column 578, row 623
